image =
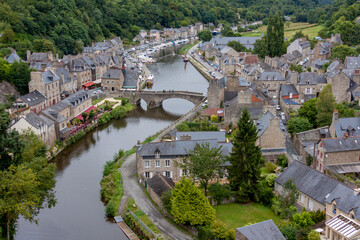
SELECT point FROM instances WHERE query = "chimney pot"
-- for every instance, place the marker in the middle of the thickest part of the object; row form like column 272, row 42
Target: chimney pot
column 356, row 191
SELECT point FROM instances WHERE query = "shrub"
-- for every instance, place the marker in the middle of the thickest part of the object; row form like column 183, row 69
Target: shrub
column 265, row 194
column 270, row 167
column 103, row 119
column 165, row 199
column 282, row 161
column 124, row 101
column 118, row 112
column 289, row 232
column 214, row 118
column 303, row 219
column 74, row 138
column 108, row 168
column 270, row 180
column 219, row 192
column 241, row 196
column 313, row 235
column 317, row 216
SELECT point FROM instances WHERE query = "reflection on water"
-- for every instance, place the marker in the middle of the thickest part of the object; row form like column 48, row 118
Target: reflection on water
column 79, row 213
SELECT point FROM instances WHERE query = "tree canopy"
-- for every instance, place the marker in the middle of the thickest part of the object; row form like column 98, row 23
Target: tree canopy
column 189, row 204
column 244, row 174
column 325, row 106
column 205, row 35
column 203, row 163
column 237, row 46
column 298, row 124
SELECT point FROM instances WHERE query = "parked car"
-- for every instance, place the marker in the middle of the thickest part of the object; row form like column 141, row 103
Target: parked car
column 278, row 108
column 282, row 116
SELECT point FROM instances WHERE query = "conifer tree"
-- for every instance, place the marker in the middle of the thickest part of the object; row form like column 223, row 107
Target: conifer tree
column 244, row 174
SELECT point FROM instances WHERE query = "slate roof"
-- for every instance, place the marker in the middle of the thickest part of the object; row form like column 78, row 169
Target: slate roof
column 203, row 135
column 266, row 230
column 112, row 74
column 341, row 144
column 49, row 77
column 175, row 148
column 221, row 42
column 63, row 72
column 53, row 114
column 287, row 89
column 293, row 55
column 226, row 50
column 308, row 181
column 130, row 78
column 263, row 123
column 39, row 65
column 343, row 125
column 310, row 78
column 352, row 62
column 33, row 98
column 271, row 76
column 160, row 184
column 13, row 57
column 37, row 121
column 39, row 57
column 345, row 199
column 243, row 82
column 333, row 69
column 318, row 63
column 76, row 99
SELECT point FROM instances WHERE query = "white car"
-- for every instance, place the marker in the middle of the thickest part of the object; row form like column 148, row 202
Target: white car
column 278, row 107
column 282, row 116
column 204, row 94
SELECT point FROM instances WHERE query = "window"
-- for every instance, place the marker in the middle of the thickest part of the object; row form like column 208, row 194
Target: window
column 185, row 172
column 308, row 91
column 112, row 82
column 334, row 209
column 147, row 164
column 167, row 174
column 107, row 82
column 302, row 198
column 167, row 163
column 147, row 175
column 311, row 205
column 157, row 163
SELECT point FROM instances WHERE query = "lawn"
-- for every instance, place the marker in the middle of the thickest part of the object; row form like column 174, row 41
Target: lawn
column 308, row 29
column 237, row 215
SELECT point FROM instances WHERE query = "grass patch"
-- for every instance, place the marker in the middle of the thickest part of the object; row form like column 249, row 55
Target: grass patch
column 95, row 101
column 109, row 103
column 238, row 215
column 187, row 47
column 142, row 216
column 308, row 29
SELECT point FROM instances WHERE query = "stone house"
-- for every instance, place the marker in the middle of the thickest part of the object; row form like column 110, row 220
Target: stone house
column 221, row 42
column 301, row 45
column 341, row 126
column 309, row 85
column 210, row 52
column 227, row 63
column 168, row 33
column 157, row 185
column 112, row 80
column 63, row 112
column 336, row 39
column 313, row 186
column 199, row 26
column 293, row 58
column 47, row 83
column 208, row 112
column 80, row 71
column 39, row 57
column 34, row 101
column 67, row 85
column 266, row 230
column 289, row 91
column 184, row 32
column 229, row 51
column 321, row 51
column 339, row 155
column 216, row 92
column 163, row 157
column 140, row 39
column 154, row 34
column 13, row 57
column 271, row 136
column 40, row 125
column 271, row 82
column 143, row 33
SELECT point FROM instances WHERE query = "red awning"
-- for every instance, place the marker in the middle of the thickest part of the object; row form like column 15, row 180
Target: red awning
column 88, row 84
column 87, row 111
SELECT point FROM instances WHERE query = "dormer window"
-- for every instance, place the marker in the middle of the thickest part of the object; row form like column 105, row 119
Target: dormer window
column 157, row 153
column 334, row 208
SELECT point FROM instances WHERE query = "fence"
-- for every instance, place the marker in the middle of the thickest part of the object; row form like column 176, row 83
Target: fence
column 141, row 223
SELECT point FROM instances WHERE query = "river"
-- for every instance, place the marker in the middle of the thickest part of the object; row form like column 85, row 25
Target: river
column 79, row 213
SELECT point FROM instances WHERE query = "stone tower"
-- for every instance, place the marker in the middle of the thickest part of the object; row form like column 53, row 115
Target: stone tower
column 215, row 93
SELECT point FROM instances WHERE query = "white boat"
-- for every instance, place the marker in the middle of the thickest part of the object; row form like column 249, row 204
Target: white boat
column 151, row 77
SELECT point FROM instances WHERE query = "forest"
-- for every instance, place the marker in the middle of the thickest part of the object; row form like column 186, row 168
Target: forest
column 71, row 24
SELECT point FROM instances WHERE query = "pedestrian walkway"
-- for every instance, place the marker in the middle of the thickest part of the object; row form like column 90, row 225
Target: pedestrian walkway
column 125, row 228
column 118, row 102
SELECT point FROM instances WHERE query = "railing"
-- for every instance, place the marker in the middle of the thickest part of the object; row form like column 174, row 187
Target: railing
column 141, row 223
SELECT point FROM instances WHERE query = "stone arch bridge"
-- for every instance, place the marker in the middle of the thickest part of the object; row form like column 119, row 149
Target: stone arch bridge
column 154, row 99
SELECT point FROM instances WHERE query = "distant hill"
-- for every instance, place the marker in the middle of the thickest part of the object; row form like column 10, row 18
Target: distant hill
column 71, row 24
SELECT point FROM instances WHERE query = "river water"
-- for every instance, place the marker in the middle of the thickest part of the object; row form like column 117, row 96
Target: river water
column 79, row 213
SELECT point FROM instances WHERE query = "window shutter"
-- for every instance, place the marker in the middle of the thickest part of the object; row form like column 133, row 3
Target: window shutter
column 164, row 174
column 144, row 175
column 171, row 175
column 181, row 172
column 151, row 174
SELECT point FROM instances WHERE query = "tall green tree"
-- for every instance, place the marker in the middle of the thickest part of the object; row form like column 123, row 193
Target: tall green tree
column 205, row 35
column 308, row 110
column 189, row 204
column 245, row 158
column 203, row 163
column 298, row 124
column 275, row 35
column 325, row 106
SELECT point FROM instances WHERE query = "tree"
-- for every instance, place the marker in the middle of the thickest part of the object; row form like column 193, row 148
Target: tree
column 283, row 205
column 237, row 46
column 240, row 29
column 297, row 68
column 341, row 52
column 84, row 116
column 260, row 47
column 203, row 163
column 8, row 36
column 189, row 205
column 298, row 124
column 205, row 35
column 325, row 106
column 245, row 158
column 19, row 75
column 303, row 219
column 10, row 144
column 275, row 35
column 91, row 114
column 18, row 196
column 43, row 45
column 345, row 111
column 308, row 110
column 214, row 118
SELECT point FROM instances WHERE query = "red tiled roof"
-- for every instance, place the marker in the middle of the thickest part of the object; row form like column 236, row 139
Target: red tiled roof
column 255, row 99
column 88, row 84
column 213, row 111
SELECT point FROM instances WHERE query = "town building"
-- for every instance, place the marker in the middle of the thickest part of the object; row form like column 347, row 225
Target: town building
column 47, row 83
column 112, row 80
column 33, row 101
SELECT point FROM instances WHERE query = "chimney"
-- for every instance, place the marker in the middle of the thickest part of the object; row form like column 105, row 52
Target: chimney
column 346, row 136
column 62, row 78
column 335, row 116
column 50, row 56
column 138, row 146
column 57, row 57
column 28, row 54
column 356, row 191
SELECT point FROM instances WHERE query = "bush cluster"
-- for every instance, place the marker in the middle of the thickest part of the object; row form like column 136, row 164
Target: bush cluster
column 74, row 138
